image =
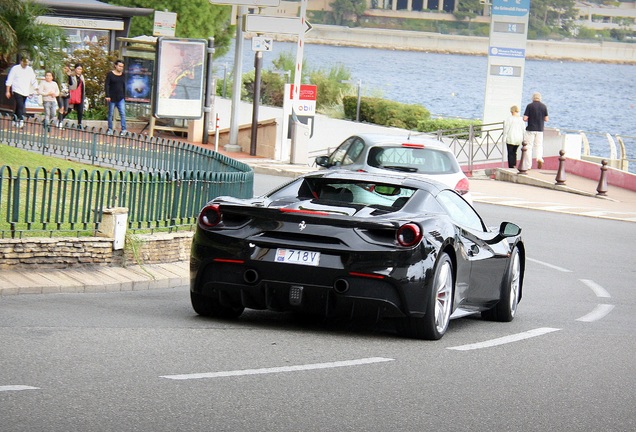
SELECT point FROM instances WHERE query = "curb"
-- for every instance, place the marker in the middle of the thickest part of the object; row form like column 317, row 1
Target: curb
column 512, row 176
column 98, row 280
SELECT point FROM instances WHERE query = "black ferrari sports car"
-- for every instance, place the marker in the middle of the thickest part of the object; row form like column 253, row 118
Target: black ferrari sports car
column 348, row 244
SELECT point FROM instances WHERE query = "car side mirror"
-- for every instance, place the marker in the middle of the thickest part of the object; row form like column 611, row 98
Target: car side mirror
column 508, row 229
column 322, row 161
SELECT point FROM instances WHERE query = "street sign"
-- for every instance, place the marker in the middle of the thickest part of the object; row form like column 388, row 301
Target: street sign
column 247, row 2
column 260, row 43
column 506, row 58
column 275, row 24
column 164, row 24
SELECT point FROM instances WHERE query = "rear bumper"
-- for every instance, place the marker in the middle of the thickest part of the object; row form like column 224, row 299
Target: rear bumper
column 332, row 293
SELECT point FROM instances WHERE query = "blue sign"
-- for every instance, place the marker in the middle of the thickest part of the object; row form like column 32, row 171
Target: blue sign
column 511, row 7
column 507, row 52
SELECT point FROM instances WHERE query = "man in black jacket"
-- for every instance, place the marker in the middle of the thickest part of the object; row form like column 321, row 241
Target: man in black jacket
column 115, row 89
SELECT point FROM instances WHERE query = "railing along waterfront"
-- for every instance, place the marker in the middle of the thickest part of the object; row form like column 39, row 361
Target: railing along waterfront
column 475, row 144
column 162, row 183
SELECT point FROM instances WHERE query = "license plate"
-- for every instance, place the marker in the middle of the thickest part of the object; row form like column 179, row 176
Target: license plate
column 295, row 256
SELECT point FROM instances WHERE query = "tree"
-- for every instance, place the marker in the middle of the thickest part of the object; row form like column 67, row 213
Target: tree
column 21, row 33
column 347, row 10
column 195, row 19
column 96, row 64
column 8, row 38
column 468, row 9
column 551, row 15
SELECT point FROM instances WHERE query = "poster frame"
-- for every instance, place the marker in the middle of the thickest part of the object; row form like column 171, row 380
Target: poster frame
column 172, row 100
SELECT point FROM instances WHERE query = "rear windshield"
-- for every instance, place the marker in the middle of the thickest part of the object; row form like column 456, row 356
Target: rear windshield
column 355, row 192
column 421, row 160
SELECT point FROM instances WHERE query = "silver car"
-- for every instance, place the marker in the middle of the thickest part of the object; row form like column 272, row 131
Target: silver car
column 413, row 156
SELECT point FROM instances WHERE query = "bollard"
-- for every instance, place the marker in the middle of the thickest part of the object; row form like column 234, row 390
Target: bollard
column 601, row 189
column 520, row 166
column 560, row 177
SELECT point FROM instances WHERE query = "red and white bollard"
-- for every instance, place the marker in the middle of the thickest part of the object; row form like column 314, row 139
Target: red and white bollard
column 216, row 134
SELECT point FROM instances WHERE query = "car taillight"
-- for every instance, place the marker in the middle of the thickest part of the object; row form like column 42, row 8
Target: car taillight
column 462, row 187
column 210, row 215
column 412, row 145
column 409, row 234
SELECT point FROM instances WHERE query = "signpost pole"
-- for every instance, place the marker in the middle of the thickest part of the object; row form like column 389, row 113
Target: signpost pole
column 238, row 73
column 258, row 64
column 207, row 108
column 506, row 58
column 298, row 74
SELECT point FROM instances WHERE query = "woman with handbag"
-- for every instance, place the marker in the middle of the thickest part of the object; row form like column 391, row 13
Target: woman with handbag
column 76, row 85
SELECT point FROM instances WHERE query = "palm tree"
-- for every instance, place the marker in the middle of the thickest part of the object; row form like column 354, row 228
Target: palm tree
column 20, row 32
column 8, row 37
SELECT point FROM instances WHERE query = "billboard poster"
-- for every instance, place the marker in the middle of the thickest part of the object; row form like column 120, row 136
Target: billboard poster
column 139, row 79
column 180, row 78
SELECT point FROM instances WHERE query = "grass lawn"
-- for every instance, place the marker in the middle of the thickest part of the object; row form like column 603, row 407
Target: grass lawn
column 57, row 205
column 16, row 158
column 30, row 204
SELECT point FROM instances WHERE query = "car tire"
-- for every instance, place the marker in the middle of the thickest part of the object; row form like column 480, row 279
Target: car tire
column 211, row 307
column 434, row 323
column 506, row 309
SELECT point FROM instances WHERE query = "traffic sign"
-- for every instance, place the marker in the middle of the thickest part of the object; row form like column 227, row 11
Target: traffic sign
column 275, row 24
column 247, row 2
column 261, row 43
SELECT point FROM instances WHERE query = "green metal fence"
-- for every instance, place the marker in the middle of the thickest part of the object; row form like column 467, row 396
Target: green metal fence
column 163, row 183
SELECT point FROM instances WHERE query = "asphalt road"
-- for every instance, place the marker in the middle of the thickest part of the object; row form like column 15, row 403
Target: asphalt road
column 143, row 361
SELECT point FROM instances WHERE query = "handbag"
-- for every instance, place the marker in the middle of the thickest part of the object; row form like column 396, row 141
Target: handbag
column 75, row 97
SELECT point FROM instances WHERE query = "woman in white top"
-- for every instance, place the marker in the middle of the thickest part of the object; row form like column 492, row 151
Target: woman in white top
column 49, row 91
column 513, row 128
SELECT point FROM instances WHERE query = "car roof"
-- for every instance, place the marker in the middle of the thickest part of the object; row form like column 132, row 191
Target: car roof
column 427, row 184
column 373, row 139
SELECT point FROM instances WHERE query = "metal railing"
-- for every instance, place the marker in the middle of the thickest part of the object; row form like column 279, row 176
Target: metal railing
column 163, row 183
column 475, row 144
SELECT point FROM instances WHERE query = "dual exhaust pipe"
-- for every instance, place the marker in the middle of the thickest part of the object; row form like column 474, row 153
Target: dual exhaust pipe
column 340, row 286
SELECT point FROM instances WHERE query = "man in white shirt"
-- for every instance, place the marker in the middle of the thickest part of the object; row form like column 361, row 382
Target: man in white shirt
column 22, row 83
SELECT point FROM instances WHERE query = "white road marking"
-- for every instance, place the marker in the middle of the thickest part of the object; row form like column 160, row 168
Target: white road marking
column 296, row 368
column 16, row 388
column 561, row 269
column 598, row 290
column 506, row 339
column 599, row 312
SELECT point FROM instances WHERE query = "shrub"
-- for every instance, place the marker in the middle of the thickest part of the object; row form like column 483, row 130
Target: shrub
column 437, row 124
column 384, row 112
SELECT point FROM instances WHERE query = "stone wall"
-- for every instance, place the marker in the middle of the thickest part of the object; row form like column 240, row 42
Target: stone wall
column 610, row 52
column 67, row 252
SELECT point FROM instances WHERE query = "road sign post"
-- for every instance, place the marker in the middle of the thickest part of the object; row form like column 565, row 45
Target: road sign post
column 297, row 156
column 506, row 58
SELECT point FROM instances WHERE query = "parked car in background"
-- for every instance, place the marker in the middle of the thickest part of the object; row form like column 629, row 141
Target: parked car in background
column 413, row 156
column 339, row 243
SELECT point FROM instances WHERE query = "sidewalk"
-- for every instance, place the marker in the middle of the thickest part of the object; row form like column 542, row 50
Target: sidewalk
column 536, row 190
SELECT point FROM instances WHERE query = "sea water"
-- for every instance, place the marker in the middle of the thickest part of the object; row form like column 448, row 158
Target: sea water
column 595, row 98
